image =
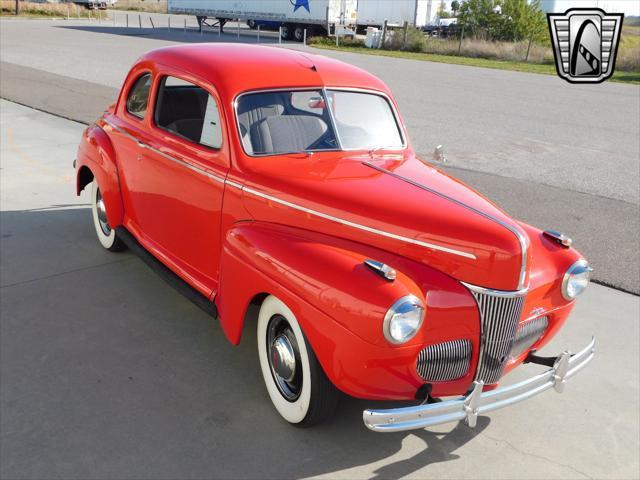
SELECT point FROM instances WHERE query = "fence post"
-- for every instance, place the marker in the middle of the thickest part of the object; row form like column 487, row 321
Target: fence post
column 258, row 34
column 404, row 38
column 461, row 37
column 384, row 33
column 169, row 24
column 127, row 20
column 335, row 28
column 185, row 25
column 151, row 21
column 140, row 21
column 219, row 29
column 238, row 22
column 526, row 59
column 304, row 38
column 280, row 34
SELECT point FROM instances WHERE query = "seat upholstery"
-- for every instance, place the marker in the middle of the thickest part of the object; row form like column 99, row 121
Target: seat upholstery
column 286, row 133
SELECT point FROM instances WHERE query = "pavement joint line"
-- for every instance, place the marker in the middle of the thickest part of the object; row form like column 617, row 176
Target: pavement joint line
column 534, row 455
column 59, row 274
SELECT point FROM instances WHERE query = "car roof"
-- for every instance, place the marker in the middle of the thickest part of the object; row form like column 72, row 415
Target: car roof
column 236, row 68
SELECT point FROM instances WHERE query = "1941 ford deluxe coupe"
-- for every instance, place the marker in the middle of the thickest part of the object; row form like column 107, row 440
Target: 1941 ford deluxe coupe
column 279, row 191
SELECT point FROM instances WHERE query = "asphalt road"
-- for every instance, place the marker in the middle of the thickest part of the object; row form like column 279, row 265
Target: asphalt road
column 555, row 155
column 106, row 372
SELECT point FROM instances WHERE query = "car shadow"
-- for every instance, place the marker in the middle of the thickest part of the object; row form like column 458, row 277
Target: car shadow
column 107, row 372
column 178, row 33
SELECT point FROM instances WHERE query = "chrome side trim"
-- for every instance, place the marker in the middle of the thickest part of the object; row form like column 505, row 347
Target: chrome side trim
column 293, row 205
column 141, row 144
column 476, row 403
column 518, row 234
column 358, row 226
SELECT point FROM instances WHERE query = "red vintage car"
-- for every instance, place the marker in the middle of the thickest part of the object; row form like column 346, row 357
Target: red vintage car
column 279, row 191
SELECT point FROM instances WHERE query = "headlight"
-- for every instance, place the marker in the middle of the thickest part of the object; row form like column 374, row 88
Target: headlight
column 403, row 319
column 576, row 279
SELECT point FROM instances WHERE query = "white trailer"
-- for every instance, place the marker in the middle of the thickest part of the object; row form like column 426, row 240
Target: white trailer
column 293, row 15
column 419, row 13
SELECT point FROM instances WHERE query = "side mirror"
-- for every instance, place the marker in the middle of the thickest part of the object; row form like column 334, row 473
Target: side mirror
column 438, row 155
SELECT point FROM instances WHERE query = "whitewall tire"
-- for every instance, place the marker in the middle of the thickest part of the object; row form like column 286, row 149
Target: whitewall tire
column 298, row 387
column 106, row 235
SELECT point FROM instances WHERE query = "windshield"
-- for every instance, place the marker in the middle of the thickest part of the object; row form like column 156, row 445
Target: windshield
column 316, row 120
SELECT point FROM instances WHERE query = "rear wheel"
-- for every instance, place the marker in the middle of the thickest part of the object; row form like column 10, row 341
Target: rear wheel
column 295, row 381
column 252, row 24
column 106, row 235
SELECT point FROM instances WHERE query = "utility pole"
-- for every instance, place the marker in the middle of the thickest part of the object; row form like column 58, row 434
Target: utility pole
column 17, row 7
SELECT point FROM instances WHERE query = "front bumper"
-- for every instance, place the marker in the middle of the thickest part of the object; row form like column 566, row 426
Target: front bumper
column 477, row 402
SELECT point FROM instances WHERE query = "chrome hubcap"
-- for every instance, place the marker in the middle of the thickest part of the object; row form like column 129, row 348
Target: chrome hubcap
column 284, row 358
column 102, row 214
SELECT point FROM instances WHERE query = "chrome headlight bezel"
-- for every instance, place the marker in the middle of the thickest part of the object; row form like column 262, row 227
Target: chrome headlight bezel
column 404, row 305
column 580, row 267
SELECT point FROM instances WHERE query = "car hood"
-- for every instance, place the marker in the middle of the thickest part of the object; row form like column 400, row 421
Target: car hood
column 394, row 202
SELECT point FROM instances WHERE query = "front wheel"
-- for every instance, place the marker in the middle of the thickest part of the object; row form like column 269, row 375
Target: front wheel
column 295, row 381
column 106, row 235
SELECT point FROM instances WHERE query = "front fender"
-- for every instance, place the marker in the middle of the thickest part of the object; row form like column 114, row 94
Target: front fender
column 340, row 304
column 97, row 155
column 325, row 275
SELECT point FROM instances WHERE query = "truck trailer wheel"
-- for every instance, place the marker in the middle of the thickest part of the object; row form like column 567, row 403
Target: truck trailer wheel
column 286, row 31
column 298, row 387
column 298, row 33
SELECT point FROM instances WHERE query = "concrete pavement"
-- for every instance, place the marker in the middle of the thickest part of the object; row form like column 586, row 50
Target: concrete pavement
column 109, row 373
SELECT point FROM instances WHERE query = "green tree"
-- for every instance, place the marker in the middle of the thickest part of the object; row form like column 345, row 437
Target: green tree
column 509, row 20
column 455, row 6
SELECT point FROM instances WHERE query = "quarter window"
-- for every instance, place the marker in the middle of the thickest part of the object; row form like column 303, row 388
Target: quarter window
column 188, row 111
column 139, row 95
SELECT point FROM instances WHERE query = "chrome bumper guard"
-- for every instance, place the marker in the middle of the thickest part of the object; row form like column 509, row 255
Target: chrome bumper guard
column 477, row 402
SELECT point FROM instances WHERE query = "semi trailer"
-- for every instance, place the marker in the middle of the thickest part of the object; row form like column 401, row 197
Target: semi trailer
column 294, row 16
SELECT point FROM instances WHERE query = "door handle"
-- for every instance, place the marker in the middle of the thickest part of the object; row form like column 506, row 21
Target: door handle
column 141, row 144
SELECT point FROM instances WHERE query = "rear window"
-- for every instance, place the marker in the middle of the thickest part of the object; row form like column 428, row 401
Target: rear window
column 139, row 96
column 189, row 111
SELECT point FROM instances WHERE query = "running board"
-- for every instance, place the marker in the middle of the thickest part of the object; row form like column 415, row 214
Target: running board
column 166, row 273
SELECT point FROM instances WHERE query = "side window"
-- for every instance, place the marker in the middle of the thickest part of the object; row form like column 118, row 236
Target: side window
column 189, row 111
column 139, row 95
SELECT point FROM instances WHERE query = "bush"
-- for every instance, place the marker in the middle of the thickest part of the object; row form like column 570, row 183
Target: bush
column 508, row 20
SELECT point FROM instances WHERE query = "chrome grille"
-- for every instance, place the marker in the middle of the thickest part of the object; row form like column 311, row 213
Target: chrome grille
column 499, row 316
column 444, row 361
column 527, row 334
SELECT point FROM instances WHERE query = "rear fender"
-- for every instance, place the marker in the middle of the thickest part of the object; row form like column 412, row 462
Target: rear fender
column 97, row 161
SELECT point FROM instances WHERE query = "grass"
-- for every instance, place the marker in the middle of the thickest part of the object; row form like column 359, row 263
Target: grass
column 148, row 6
column 628, row 54
column 47, row 10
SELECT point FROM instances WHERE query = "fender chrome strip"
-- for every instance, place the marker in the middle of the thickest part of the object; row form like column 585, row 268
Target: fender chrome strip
column 293, row 205
column 518, row 234
column 359, row 226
